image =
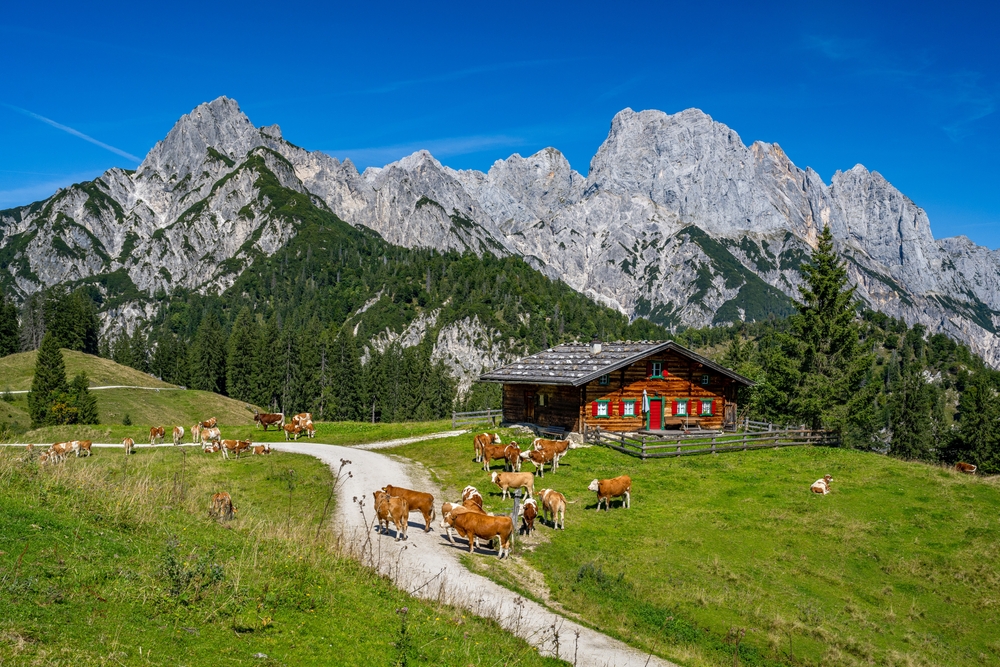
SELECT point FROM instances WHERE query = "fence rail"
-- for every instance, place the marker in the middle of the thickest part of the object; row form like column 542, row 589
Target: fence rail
column 644, row 447
column 489, row 416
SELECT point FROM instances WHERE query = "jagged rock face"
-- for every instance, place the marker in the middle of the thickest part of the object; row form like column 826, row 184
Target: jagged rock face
column 677, row 220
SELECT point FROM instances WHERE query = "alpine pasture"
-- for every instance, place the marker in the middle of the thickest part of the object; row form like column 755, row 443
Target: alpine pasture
column 732, row 554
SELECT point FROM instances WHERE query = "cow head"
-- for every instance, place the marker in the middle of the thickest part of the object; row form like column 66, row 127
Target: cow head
column 593, row 486
column 496, row 439
column 827, row 478
column 495, row 476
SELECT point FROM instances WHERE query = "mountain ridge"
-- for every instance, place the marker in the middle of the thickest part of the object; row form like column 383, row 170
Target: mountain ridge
column 195, row 213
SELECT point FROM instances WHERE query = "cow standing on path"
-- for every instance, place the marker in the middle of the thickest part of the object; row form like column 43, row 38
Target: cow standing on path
column 178, row 435
column 417, row 502
column 156, row 433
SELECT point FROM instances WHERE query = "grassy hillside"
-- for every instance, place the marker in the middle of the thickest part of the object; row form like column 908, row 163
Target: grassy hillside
column 103, row 562
column 896, row 567
column 16, row 371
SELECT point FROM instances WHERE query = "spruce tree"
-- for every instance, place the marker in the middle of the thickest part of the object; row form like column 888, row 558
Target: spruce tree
column 240, row 357
column 979, row 423
column 10, row 334
column 139, row 350
column 84, row 402
column 48, row 387
column 207, row 359
column 835, row 388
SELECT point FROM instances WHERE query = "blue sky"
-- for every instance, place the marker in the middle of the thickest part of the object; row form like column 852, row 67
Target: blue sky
column 911, row 94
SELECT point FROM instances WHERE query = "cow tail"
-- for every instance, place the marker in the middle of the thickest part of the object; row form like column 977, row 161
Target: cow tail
column 434, row 514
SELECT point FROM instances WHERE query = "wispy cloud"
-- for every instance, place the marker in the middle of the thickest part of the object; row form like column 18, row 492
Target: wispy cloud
column 27, row 194
column 75, row 133
column 439, row 148
column 956, row 99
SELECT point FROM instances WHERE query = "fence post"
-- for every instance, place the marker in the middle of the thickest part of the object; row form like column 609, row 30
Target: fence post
column 513, row 513
column 713, row 446
column 643, row 448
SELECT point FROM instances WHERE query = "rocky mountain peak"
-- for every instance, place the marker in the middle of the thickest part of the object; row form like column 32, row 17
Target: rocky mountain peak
column 219, row 125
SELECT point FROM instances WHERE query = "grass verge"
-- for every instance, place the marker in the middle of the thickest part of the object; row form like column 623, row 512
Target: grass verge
column 108, row 561
column 731, row 554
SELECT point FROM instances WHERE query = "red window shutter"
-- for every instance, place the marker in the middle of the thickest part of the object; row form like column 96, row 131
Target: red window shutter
column 649, row 369
column 673, row 407
column 593, row 409
column 621, row 408
column 711, row 407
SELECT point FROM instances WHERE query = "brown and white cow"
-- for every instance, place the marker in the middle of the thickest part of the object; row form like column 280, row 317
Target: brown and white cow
column 553, row 507
column 222, row 507
column 210, row 446
column 483, row 439
column 196, row 433
column 492, row 452
column 539, row 457
column 470, row 526
column 178, row 435
column 292, row 431
column 265, row 419
column 129, row 446
column 513, row 480
column 57, row 452
column 822, row 485
column 79, row 446
column 417, row 501
column 210, row 435
column 301, row 419
column 392, row 508
column 309, row 428
column 512, row 455
column 967, row 468
column 156, row 433
column 470, row 493
column 529, row 510
column 259, row 450
column 554, row 449
column 235, row 447
column 617, row 487
column 449, row 508
column 211, row 422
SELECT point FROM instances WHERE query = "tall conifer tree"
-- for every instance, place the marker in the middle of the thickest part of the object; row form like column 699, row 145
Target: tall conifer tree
column 49, row 383
column 10, row 331
column 83, row 400
column 240, row 358
column 207, row 359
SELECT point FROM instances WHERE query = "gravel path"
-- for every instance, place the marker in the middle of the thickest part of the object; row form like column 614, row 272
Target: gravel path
column 427, row 565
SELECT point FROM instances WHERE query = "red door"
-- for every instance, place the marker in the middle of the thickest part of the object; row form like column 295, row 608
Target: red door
column 655, row 414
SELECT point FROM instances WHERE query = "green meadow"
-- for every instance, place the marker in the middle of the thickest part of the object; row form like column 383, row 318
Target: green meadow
column 729, row 557
column 105, row 561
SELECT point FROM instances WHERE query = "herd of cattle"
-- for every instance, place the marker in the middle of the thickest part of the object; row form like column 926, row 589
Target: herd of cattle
column 470, row 521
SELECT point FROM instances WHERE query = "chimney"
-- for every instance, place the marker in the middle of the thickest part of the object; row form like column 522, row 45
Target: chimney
column 595, row 346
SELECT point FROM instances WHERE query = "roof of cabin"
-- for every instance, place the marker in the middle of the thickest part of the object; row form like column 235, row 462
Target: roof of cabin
column 573, row 364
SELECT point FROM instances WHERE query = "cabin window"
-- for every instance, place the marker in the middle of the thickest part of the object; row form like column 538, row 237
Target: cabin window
column 705, row 378
column 706, row 408
column 605, row 380
column 602, row 409
column 628, row 409
column 657, row 371
column 542, row 400
column 681, row 407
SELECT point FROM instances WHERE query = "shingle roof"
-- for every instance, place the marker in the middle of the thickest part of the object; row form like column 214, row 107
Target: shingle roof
column 573, row 364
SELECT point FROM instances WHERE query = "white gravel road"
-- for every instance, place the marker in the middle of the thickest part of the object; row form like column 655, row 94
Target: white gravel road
column 427, row 565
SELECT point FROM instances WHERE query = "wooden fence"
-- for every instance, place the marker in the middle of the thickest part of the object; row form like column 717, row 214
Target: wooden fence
column 647, row 447
column 491, row 416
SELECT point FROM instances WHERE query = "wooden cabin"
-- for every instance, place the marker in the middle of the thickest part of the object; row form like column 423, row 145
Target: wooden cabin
column 623, row 387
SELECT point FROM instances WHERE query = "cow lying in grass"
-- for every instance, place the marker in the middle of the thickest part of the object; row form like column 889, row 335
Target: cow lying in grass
column 481, row 440
column 471, row 525
column 417, row 501
column 967, row 468
column 513, row 480
column 553, row 507
column 822, row 485
column 618, row 487
column 388, row 508
column 261, row 449
column 222, row 507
